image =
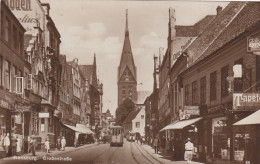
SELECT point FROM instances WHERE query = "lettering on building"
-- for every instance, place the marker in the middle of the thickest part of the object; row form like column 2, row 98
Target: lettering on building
column 20, row 5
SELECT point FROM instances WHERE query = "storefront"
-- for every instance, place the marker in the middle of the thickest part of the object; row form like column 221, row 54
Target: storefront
column 183, row 129
column 247, row 139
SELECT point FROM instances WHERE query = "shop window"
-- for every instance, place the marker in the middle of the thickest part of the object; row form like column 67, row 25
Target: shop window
column 194, row 93
column 137, row 124
column 203, row 90
column 213, row 86
column 221, row 142
column 186, row 92
column 224, row 82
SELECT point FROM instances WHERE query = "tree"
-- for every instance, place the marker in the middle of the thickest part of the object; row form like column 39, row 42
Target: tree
column 123, row 110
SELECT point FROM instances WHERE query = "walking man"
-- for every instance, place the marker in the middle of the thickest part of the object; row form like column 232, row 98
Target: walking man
column 188, row 151
column 156, row 144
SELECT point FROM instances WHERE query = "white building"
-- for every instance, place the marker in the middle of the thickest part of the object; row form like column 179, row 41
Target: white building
column 138, row 123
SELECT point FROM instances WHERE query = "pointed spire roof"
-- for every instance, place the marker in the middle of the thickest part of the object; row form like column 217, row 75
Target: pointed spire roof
column 127, row 59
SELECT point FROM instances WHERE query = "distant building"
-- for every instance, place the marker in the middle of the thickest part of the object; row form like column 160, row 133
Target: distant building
column 127, row 78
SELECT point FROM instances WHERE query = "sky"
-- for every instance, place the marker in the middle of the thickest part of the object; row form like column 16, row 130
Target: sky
column 89, row 27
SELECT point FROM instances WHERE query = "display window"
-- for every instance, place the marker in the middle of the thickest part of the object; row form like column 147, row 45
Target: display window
column 220, row 140
column 244, row 141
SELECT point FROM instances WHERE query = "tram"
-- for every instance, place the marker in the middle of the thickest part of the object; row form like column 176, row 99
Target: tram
column 116, row 136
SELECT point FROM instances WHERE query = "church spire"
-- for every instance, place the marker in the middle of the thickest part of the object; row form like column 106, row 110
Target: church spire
column 126, row 24
column 127, row 59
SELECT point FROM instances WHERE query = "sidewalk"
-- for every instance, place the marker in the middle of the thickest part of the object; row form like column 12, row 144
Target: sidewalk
column 41, row 154
column 163, row 157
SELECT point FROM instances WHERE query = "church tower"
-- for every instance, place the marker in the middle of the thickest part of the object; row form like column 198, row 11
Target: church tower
column 126, row 81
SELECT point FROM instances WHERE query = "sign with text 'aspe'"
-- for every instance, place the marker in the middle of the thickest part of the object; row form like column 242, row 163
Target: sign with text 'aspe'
column 30, row 13
column 246, row 101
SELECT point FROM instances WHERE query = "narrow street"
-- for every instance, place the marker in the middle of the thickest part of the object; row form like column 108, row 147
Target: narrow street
column 131, row 152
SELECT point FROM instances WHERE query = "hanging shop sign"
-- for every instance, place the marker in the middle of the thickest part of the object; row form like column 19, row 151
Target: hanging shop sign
column 189, row 111
column 44, row 115
column 246, row 101
column 253, row 44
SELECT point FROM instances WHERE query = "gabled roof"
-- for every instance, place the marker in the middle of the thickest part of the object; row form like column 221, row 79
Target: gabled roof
column 247, row 17
column 194, row 30
column 87, row 71
column 214, row 29
column 127, row 59
column 131, row 116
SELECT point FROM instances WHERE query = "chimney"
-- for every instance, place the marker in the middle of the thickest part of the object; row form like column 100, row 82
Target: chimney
column 156, row 64
column 172, row 20
column 160, row 55
column 219, row 9
column 46, row 7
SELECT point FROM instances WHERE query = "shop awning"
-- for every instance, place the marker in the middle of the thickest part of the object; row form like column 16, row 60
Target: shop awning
column 168, row 126
column 181, row 124
column 84, row 130
column 71, row 127
column 252, row 119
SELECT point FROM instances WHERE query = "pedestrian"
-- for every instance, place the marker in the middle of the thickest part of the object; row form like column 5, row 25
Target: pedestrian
column 156, row 144
column 75, row 142
column 14, row 144
column 63, row 143
column 2, row 137
column 58, row 143
column 47, row 145
column 33, row 144
column 189, row 148
column 6, row 143
column 18, row 148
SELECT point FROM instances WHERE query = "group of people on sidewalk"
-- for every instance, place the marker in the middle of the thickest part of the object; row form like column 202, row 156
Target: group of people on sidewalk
column 178, row 149
column 10, row 144
column 60, row 145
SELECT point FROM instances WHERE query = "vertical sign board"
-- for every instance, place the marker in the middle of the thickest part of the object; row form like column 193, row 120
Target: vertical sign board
column 245, row 101
column 253, row 44
column 30, row 13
